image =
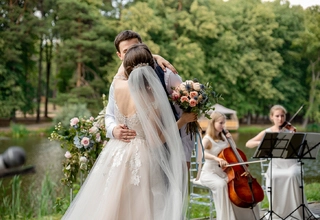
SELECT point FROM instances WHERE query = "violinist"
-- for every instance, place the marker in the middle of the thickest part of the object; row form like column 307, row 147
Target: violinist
column 213, row 176
column 286, row 194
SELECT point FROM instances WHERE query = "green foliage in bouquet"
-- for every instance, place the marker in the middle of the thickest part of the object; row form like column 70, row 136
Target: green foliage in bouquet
column 83, row 140
column 192, row 96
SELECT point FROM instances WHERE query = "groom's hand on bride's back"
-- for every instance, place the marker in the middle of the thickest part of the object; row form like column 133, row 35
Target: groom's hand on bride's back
column 123, row 133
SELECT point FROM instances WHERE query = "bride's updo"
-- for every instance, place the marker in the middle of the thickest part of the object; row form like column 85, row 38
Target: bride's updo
column 136, row 56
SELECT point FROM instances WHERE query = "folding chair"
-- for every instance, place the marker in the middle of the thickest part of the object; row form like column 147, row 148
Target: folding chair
column 199, row 194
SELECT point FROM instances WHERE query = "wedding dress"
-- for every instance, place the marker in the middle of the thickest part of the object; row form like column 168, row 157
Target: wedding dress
column 144, row 179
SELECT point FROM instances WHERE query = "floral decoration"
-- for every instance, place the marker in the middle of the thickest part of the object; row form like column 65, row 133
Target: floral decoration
column 83, row 140
column 192, row 96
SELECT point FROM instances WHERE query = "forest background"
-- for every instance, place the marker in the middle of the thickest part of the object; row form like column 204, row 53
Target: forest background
column 256, row 54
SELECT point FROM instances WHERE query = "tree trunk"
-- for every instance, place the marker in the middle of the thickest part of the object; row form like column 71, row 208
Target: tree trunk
column 39, row 82
column 48, row 73
column 249, row 118
column 313, row 87
column 79, row 75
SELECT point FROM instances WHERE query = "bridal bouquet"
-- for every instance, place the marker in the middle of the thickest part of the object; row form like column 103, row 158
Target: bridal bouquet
column 192, row 96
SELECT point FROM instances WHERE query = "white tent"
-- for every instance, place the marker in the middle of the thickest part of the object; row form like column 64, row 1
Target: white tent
column 232, row 122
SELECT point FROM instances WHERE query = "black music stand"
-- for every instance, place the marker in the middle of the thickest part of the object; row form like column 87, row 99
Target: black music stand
column 303, row 146
column 273, row 145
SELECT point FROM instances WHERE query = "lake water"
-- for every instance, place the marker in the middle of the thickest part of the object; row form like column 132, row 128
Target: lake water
column 47, row 157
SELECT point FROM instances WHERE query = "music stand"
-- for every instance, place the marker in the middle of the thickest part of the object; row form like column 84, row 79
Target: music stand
column 273, row 145
column 303, row 146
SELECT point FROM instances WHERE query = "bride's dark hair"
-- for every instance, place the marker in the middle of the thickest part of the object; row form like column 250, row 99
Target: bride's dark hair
column 137, row 55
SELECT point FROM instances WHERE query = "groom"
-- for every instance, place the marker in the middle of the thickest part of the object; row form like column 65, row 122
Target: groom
column 123, row 42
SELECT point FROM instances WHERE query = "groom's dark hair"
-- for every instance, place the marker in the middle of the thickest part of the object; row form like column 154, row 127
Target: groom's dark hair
column 126, row 35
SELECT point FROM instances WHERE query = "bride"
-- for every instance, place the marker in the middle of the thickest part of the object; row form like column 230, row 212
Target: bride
column 145, row 179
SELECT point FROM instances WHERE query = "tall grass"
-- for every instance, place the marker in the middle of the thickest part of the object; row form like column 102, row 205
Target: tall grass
column 18, row 130
column 48, row 202
column 52, row 200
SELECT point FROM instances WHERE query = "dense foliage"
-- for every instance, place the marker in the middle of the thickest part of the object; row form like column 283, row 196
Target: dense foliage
column 254, row 53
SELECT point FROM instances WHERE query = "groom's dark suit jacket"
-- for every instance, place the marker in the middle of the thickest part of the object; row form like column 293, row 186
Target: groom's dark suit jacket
column 160, row 74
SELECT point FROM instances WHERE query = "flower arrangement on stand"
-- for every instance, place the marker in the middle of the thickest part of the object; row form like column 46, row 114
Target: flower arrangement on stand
column 83, row 140
column 192, row 96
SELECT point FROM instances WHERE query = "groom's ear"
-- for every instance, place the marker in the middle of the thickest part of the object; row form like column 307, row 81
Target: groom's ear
column 119, row 55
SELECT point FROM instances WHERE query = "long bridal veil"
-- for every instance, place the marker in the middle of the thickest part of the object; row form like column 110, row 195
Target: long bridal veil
column 169, row 177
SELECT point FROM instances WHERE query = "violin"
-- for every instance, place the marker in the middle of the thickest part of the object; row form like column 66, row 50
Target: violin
column 288, row 125
column 244, row 190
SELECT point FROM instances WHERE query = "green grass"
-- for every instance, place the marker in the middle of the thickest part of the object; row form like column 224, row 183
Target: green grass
column 312, row 192
column 51, row 201
column 255, row 129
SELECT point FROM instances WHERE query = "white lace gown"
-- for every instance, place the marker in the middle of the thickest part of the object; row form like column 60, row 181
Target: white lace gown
column 215, row 178
column 124, row 184
column 145, row 179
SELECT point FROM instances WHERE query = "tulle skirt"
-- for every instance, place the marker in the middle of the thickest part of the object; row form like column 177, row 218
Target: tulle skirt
column 124, row 184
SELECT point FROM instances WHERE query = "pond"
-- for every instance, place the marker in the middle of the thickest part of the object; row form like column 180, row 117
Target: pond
column 47, row 157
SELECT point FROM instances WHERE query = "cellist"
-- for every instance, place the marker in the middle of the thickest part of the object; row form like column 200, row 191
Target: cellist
column 213, row 176
column 286, row 181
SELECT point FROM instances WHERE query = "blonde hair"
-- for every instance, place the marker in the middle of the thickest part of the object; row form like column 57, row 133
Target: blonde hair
column 211, row 131
column 275, row 108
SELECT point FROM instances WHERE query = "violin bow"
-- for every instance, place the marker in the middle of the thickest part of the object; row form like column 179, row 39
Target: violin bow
column 295, row 114
column 246, row 162
column 288, row 122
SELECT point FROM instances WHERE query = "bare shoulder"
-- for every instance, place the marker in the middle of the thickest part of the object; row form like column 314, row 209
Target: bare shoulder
column 206, row 143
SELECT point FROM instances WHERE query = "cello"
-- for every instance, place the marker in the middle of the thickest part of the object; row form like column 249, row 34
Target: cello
column 244, row 190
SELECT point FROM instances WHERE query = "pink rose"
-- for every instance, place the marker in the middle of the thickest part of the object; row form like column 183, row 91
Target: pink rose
column 192, row 103
column 193, row 94
column 175, row 95
column 74, row 121
column 91, row 118
column 85, row 141
column 184, row 99
column 68, row 155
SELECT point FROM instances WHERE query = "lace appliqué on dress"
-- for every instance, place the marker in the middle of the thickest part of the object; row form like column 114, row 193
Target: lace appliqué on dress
column 117, row 159
column 135, row 164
